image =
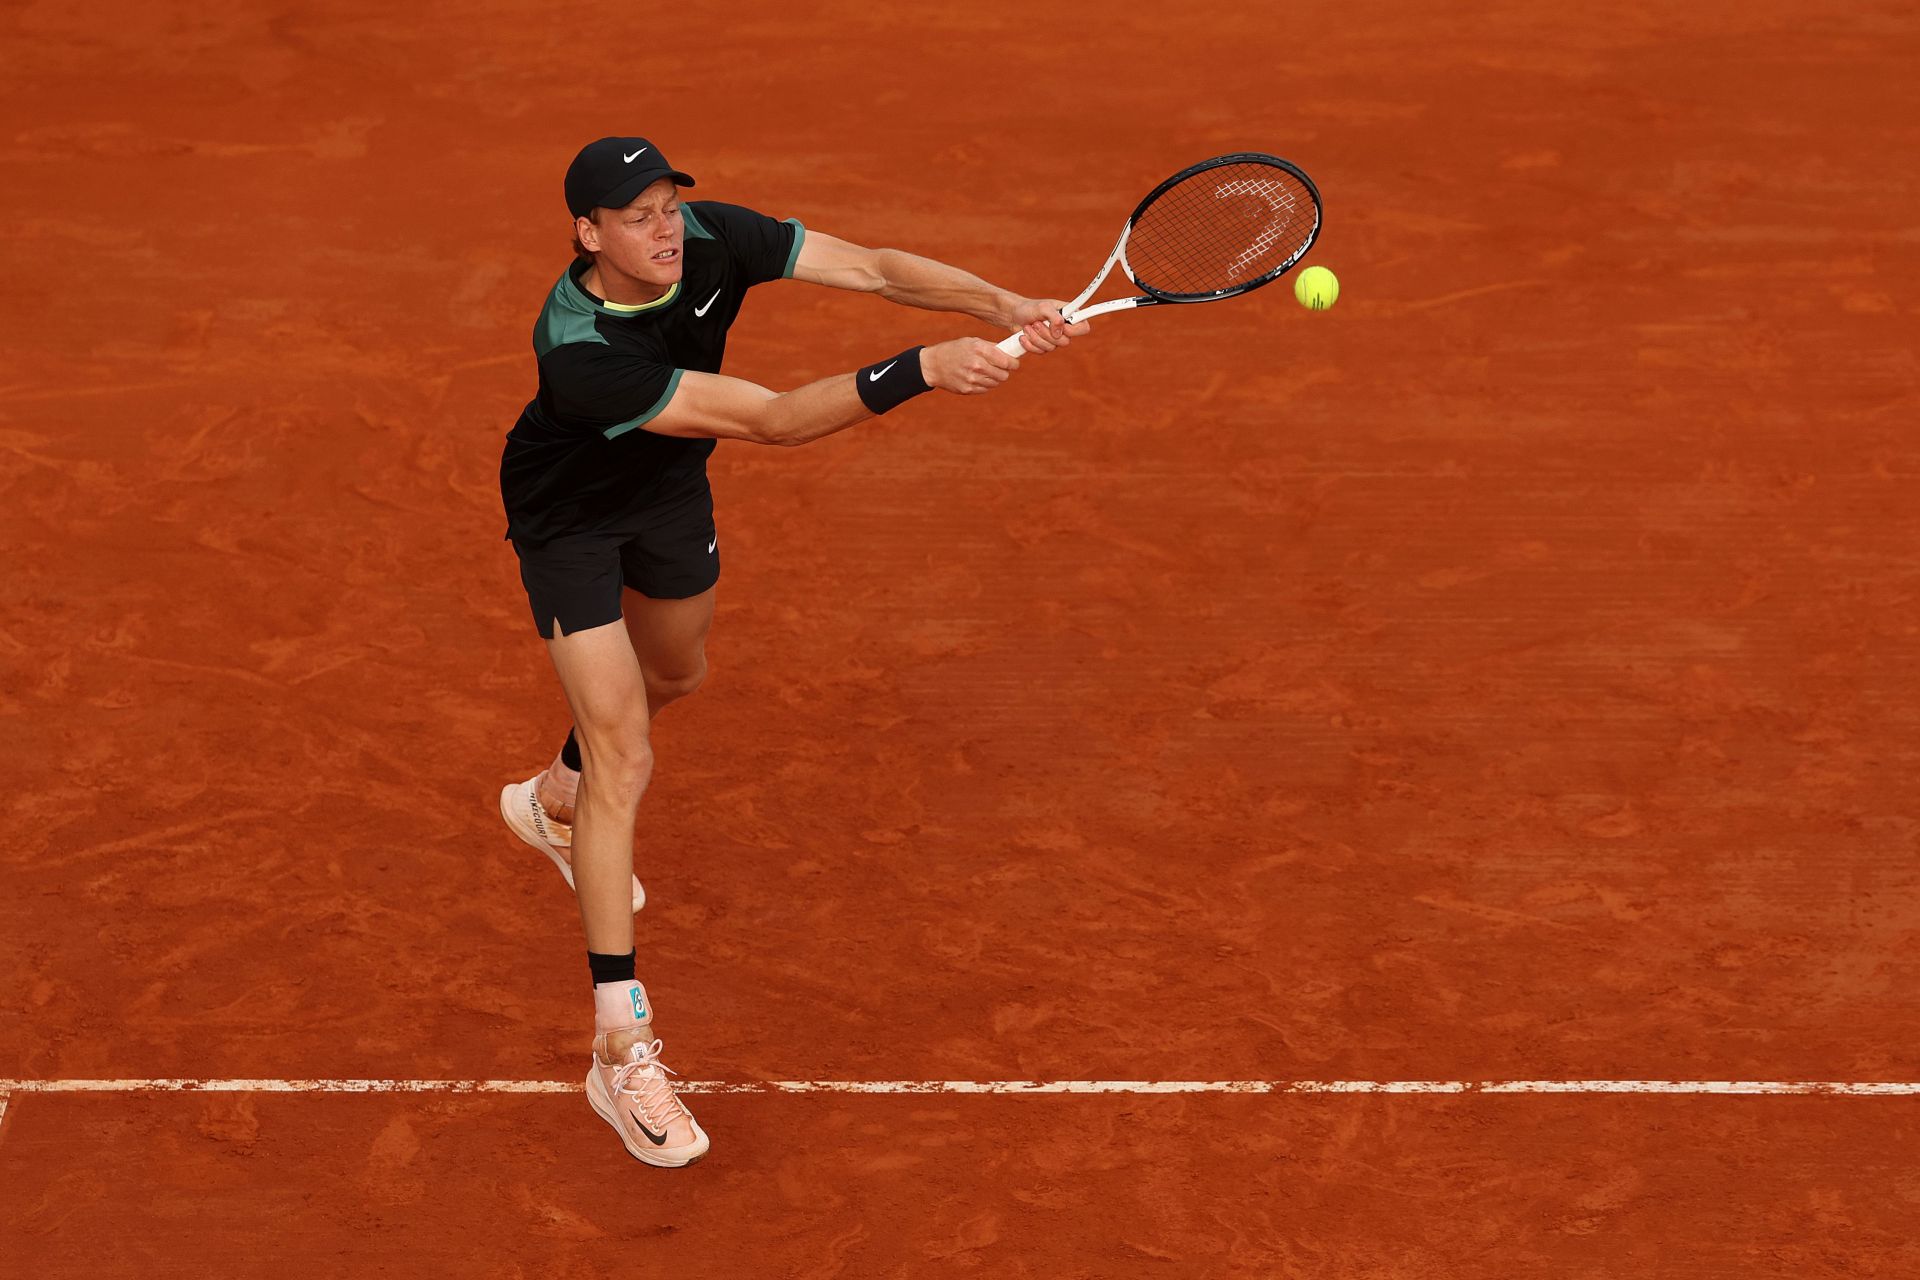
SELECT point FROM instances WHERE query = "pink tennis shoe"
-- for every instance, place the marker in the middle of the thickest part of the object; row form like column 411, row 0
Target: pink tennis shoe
column 528, row 819
column 632, row 1090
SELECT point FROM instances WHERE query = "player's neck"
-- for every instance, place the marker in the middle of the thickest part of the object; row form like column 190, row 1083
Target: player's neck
column 611, row 286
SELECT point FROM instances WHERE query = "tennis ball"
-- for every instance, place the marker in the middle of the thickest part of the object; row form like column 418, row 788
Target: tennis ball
column 1317, row 288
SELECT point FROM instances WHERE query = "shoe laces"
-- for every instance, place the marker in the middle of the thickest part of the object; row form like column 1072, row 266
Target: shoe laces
column 654, row 1092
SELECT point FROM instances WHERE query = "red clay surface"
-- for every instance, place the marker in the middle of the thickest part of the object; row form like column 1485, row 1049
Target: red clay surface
column 1589, row 1188
column 1508, row 674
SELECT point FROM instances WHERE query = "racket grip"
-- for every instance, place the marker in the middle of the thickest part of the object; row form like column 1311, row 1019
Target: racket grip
column 1011, row 344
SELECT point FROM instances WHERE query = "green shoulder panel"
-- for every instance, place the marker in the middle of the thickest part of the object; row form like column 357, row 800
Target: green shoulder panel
column 563, row 319
column 695, row 228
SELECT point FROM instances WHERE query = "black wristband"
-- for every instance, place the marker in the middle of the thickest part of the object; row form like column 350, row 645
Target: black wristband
column 891, row 383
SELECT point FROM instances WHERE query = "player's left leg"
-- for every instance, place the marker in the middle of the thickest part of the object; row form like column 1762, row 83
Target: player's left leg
column 670, row 639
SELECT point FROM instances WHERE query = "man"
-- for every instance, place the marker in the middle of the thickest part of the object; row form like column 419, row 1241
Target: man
column 605, row 487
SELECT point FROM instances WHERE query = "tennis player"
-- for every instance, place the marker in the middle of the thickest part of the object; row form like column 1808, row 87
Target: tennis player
column 604, row 478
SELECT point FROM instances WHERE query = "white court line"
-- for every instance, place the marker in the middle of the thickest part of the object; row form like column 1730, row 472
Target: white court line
column 1820, row 1088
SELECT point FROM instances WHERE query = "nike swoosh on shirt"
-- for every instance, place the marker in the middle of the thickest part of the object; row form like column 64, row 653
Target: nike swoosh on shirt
column 875, row 375
column 636, row 155
column 708, row 305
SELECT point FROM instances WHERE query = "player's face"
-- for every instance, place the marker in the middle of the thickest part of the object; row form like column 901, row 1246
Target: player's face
column 644, row 241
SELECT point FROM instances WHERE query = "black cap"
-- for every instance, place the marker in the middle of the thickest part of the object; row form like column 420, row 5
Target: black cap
column 612, row 171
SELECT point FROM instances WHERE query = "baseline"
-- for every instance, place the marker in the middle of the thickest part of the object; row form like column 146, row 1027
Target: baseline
column 1821, row 1088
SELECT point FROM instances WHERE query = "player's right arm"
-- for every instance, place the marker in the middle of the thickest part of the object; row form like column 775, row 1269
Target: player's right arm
column 722, row 408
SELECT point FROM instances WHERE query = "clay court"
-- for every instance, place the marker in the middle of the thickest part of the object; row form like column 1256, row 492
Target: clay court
column 1140, row 822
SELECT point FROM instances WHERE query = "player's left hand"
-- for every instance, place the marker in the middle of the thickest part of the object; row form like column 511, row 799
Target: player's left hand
column 1042, row 326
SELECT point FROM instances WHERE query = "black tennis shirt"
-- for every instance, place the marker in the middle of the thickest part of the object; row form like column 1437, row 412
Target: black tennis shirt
column 580, row 459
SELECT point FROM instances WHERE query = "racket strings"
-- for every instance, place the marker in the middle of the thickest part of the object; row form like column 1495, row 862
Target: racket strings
column 1223, row 228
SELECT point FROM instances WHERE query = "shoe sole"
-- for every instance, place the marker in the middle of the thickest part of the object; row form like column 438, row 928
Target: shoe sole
column 603, row 1107
column 533, row 841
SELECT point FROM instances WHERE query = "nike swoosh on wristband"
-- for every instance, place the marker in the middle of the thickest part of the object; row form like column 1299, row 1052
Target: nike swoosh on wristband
column 875, row 375
column 708, row 305
column 636, row 155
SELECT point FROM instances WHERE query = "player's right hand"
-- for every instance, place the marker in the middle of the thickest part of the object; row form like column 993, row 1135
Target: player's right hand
column 966, row 366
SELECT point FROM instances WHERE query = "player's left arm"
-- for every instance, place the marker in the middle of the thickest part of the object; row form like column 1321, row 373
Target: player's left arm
column 913, row 281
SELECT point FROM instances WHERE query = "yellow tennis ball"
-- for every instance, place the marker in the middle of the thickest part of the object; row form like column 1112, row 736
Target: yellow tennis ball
column 1317, row 288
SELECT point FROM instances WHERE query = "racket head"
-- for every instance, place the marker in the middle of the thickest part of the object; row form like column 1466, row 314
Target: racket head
column 1221, row 228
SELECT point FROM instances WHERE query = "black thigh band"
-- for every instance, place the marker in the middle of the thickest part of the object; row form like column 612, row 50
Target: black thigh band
column 891, row 383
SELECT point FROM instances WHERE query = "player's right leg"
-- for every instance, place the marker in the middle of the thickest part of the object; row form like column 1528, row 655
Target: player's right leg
column 573, row 585
column 627, row 1084
column 669, row 636
column 667, row 564
column 608, row 698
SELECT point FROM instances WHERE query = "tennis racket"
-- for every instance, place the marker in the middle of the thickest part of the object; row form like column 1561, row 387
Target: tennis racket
column 1214, row 230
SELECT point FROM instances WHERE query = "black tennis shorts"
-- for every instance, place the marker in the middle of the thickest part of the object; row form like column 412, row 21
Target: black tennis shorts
column 668, row 551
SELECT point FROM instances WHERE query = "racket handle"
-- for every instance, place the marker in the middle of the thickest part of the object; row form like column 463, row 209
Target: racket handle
column 1011, row 344
column 1073, row 314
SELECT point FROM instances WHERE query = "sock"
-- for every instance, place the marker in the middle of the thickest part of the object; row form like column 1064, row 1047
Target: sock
column 570, row 753
column 560, row 788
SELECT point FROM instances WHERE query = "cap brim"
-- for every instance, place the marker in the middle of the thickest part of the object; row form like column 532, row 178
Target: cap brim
column 623, row 194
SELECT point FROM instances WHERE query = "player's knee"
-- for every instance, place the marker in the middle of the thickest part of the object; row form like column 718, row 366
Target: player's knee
column 618, row 759
column 666, row 686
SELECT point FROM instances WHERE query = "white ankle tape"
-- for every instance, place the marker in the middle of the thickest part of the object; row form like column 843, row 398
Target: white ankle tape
column 619, row 1004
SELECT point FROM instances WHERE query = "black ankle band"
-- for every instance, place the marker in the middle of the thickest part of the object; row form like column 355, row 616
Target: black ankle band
column 610, row 968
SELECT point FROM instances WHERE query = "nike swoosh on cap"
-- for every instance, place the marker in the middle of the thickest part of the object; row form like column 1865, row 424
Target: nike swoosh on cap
column 636, row 155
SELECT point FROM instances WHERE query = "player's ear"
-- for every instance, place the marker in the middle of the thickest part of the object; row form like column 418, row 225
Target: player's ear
column 587, row 232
